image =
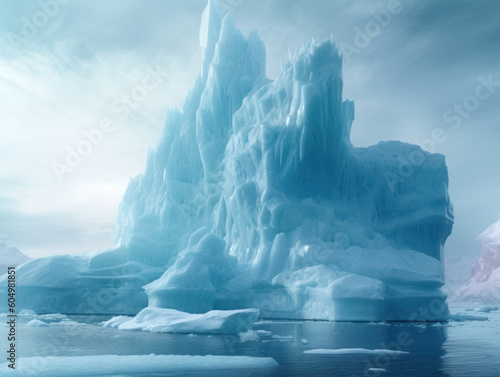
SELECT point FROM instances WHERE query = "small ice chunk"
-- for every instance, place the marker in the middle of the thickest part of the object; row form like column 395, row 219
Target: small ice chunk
column 37, row 323
column 67, row 322
column 249, row 335
column 263, row 332
column 283, row 338
column 304, row 341
column 27, row 312
column 353, row 351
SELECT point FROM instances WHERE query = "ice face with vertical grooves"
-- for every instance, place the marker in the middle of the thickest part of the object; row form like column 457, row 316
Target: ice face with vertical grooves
column 255, row 197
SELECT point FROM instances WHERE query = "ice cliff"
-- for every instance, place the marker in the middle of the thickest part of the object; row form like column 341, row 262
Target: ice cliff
column 254, row 196
column 483, row 287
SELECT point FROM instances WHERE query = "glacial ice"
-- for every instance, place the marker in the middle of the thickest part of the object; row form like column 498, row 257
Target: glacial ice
column 483, row 287
column 170, row 320
column 254, row 197
column 111, row 365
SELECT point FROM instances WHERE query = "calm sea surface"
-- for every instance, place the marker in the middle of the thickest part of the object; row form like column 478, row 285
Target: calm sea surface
column 458, row 348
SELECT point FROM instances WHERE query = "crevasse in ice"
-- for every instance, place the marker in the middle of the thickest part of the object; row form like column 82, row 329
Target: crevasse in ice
column 255, row 197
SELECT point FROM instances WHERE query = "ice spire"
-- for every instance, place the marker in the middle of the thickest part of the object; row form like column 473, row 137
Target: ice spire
column 211, row 23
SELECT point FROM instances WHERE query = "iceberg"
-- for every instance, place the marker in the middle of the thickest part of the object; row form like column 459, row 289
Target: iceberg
column 483, row 287
column 37, row 323
column 255, row 197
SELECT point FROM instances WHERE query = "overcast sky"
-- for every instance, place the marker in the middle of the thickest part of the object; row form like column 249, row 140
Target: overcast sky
column 67, row 67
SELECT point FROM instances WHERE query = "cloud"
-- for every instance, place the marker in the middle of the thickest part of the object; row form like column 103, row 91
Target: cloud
column 52, row 99
column 67, row 77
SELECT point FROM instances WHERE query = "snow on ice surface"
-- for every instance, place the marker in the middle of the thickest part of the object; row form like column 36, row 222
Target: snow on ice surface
column 170, row 320
column 43, row 320
column 254, row 196
column 353, row 351
column 105, row 365
column 249, row 336
column 37, row 323
column 29, row 312
column 283, row 338
column 459, row 317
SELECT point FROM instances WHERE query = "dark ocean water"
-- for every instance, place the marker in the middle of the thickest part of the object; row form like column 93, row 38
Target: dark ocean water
column 464, row 348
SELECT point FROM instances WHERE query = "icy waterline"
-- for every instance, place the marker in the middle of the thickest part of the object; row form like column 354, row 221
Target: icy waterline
column 97, row 365
column 459, row 349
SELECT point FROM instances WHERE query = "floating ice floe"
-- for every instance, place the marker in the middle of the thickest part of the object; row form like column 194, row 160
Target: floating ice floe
column 354, row 351
column 100, row 365
column 174, row 321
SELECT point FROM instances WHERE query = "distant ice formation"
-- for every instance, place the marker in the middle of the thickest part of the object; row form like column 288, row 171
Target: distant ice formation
column 254, row 197
column 10, row 257
column 483, row 288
